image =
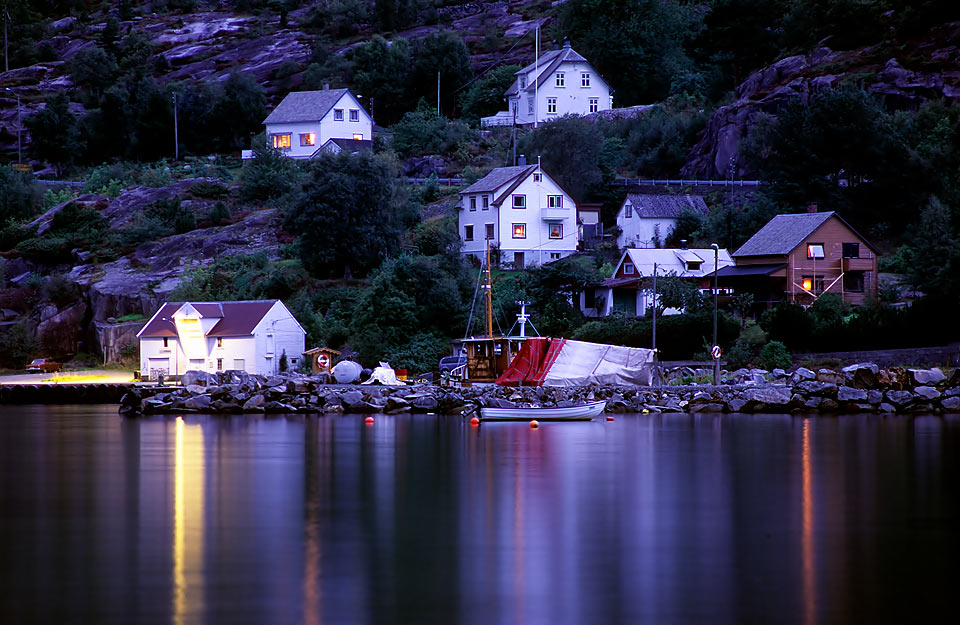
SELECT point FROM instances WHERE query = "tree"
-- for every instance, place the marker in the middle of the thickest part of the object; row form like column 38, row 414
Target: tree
column 54, row 131
column 569, row 148
column 443, row 53
column 935, row 254
column 485, row 95
column 92, row 69
column 348, row 214
column 241, row 110
column 269, row 174
column 380, row 70
column 18, row 196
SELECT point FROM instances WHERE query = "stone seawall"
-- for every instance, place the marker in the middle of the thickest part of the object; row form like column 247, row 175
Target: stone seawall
column 858, row 388
column 63, row 393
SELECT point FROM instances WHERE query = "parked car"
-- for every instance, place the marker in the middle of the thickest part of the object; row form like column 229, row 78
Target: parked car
column 43, row 365
column 449, row 363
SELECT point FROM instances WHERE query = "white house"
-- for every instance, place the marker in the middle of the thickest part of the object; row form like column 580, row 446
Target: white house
column 630, row 289
column 560, row 82
column 523, row 212
column 248, row 336
column 647, row 220
column 306, row 122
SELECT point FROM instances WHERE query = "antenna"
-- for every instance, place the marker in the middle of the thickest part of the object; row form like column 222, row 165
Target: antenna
column 536, row 79
column 523, row 317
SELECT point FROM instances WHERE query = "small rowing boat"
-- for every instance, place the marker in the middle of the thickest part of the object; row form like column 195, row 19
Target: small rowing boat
column 581, row 412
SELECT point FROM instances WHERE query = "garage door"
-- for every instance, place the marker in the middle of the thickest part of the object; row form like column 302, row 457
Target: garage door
column 158, row 365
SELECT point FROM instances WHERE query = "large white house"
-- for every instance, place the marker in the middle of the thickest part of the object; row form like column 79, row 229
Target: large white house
column 523, row 212
column 630, row 289
column 560, row 82
column 248, row 336
column 647, row 220
column 307, row 123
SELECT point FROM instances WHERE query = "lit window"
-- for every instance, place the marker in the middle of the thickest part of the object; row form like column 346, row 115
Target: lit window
column 281, row 142
column 594, row 104
column 219, row 341
column 585, row 79
column 489, row 231
column 807, row 284
column 628, row 269
column 815, row 250
column 628, row 210
column 358, row 137
column 473, row 202
column 537, row 177
column 338, row 115
column 519, row 231
column 519, row 201
column 468, row 233
column 851, row 250
column 814, row 284
column 485, row 201
column 556, row 231
column 554, row 201
column 551, row 106
column 354, row 115
column 559, row 79
column 308, row 138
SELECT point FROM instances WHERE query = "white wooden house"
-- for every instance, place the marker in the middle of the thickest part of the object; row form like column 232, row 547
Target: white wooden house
column 630, row 289
column 647, row 220
column 248, row 336
column 523, row 212
column 560, row 82
column 305, row 123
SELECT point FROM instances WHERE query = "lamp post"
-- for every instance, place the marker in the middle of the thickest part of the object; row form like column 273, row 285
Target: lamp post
column 176, row 138
column 716, row 356
column 19, row 127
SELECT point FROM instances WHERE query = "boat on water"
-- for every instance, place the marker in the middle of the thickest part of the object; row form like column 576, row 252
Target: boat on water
column 582, row 412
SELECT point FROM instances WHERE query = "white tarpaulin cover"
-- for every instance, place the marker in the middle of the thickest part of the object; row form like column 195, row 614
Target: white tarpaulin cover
column 580, row 363
column 384, row 374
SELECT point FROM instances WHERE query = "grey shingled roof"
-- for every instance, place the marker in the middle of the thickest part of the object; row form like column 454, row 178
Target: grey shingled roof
column 497, row 178
column 236, row 318
column 546, row 65
column 304, row 106
column 666, row 206
column 783, row 234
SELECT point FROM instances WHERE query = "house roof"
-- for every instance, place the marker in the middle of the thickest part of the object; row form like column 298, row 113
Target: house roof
column 782, row 234
column 305, row 106
column 675, row 260
column 236, row 318
column 546, row 65
column 665, row 206
column 733, row 271
column 499, row 177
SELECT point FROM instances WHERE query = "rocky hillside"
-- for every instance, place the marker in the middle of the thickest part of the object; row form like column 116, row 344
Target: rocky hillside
column 902, row 74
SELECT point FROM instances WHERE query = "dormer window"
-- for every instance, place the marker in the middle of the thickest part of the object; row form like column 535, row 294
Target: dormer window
column 694, row 265
column 537, row 177
column 560, row 79
column 523, row 82
column 338, row 115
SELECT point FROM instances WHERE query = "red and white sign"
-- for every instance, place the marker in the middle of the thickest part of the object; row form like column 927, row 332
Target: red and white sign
column 716, row 352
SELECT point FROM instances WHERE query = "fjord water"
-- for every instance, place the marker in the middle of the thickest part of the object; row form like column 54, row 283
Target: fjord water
column 425, row 519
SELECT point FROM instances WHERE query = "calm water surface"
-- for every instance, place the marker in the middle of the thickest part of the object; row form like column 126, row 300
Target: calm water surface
column 420, row 519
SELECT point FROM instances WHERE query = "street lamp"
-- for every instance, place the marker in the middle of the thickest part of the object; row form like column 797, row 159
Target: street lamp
column 19, row 127
column 715, row 351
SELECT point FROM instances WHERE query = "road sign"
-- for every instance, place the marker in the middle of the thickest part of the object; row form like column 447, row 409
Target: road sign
column 716, row 352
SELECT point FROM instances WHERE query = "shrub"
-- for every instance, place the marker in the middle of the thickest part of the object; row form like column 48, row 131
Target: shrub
column 17, row 346
column 748, row 347
column 219, row 214
column 774, row 355
column 207, row 189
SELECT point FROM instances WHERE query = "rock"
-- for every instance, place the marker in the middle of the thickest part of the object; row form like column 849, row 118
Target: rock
column 701, row 398
column 298, row 385
column 850, row 394
column 199, row 378
column 862, row 375
column 899, row 399
column 736, row 405
column 812, row 387
column 828, row 405
column 894, row 377
column 888, row 408
column 778, row 374
column 195, row 389
column 874, row 397
column 429, row 404
column 927, row 392
column 713, row 407
column 763, row 398
column 926, row 377
column 351, row 398
column 199, row 402
column 255, row 404
column 813, row 403
column 396, row 403
column 951, row 404
column 830, row 376
column 154, row 404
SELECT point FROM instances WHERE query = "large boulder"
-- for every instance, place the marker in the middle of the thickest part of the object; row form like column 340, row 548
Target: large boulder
column 927, row 377
column 862, row 375
column 198, row 378
column 850, row 394
column 766, row 398
column 802, row 375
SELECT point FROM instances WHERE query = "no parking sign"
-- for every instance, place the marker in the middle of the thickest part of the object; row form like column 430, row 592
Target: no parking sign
column 716, row 352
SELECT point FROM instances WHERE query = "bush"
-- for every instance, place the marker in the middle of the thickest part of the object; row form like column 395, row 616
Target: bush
column 17, row 346
column 219, row 214
column 207, row 189
column 747, row 349
column 774, row 355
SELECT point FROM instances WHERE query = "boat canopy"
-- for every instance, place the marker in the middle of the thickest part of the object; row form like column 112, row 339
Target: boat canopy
column 563, row 362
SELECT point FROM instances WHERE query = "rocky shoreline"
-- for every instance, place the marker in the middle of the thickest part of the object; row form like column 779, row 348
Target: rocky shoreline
column 861, row 387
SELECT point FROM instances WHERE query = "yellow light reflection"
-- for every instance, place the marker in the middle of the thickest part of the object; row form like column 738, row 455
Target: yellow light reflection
column 187, row 522
column 809, row 592
column 807, row 285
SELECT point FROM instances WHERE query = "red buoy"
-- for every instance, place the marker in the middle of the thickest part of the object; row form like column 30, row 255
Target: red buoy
column 475, row 421
column 368, row 420
column 534, row 425
column 610, row 418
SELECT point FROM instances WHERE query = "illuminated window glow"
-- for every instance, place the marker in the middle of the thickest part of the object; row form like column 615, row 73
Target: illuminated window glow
column 815, row 250
column 282, row 141
column 556, row 231
column 308, row 138
column 358, row 137
column 519, row 231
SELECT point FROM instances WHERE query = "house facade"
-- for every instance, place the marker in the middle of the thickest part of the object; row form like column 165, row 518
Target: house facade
column 249, row 336
column 647, row 220
column 800, row 257
column 305, row 122
column 522, row 212
column 560, row 82
column 630, row 289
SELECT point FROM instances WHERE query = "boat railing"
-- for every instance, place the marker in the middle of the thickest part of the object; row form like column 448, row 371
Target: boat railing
column 455, row 376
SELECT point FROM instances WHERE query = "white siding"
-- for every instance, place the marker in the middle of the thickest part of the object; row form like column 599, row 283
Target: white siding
column 572, row 98
column 326, row 129
column 287, row 336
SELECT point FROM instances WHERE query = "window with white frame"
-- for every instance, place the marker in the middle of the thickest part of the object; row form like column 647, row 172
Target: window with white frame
column 551, row 106
column 338, row 115
column 485, row 201
column 281, row 141
column 473, row 202
column 585, row 79
column 519, row 201
column 530, row 106
column 554, row 201
column 815, row 250
column 468, row 233
column 537, row 177
column 519, row 231
column 354, row 115
column 357, row 137
column 628, row 269
column 628, row 210
column 594, row 105
column 560, row 79
column 308, row 138
column 556, row 231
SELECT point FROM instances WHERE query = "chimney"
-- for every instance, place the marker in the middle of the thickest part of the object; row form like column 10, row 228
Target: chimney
column 683, row 244
column 326, row 86
column 812, row 207
column 522, row 160
column 566, row 42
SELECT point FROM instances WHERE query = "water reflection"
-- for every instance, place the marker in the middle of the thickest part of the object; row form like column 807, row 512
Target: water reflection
column 651, row 518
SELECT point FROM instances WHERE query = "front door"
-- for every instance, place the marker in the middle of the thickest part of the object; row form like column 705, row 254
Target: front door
column 518, row 260
column 625, row 301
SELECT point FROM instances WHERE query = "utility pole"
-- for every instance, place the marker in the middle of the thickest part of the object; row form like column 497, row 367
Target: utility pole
column 654, row 310
column 716, row 350
column 438, row 93
column 176, row 139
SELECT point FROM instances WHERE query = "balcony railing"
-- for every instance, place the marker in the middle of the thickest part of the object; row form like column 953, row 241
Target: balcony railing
column 552, row 213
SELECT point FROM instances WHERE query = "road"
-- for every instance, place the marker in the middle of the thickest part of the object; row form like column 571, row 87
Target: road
column 83, row 376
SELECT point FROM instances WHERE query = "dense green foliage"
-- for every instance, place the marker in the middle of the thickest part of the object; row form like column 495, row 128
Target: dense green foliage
column 679, row 337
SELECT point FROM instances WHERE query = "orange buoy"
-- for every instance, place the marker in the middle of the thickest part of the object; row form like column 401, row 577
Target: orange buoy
column 534, row 425
column 609, row 417
column 368, row 420
column 475, row 421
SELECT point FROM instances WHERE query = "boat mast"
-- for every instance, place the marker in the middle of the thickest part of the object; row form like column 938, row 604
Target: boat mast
column 489, row 287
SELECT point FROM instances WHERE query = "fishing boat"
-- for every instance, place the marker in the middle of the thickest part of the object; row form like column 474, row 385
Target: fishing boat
column 581, row 412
